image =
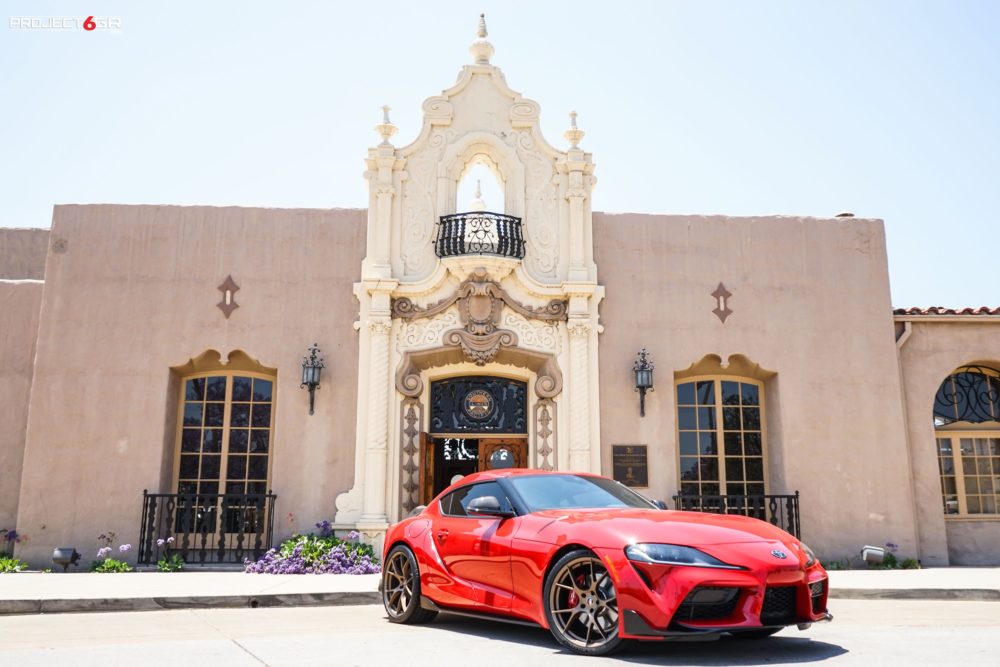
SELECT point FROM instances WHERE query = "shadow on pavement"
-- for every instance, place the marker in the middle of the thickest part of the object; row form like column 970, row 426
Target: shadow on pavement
column 778, row 649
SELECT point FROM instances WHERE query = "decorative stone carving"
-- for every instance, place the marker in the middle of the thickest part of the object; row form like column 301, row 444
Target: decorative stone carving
column 545, row 434
column 480, row 303
column 413, row 335
column 532, row 333
column 548, row 380
column 480, row 348
column 411, row 411
column 479, row 284
column 541, row 211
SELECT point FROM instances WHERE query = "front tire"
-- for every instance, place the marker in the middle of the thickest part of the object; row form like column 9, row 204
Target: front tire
column 401, row 588
column 581, row 604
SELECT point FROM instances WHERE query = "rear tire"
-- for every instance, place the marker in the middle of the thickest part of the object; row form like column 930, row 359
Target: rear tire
column 581, row 604
column 401, row 588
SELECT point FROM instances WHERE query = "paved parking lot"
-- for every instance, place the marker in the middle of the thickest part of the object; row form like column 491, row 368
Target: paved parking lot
column 865, row 633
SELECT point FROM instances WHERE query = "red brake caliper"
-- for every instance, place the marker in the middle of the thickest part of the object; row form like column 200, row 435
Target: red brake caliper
column 574, row 599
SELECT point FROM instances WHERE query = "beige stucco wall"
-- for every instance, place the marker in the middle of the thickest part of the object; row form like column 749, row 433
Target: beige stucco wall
column 934, row 348
column 810, row 301
column 19, row 303
column 130, row 293
column 22, row 253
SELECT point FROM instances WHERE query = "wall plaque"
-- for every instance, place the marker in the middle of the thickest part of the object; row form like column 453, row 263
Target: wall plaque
column 629, row 465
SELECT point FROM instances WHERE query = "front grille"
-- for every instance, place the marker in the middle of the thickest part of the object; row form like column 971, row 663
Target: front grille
column 779, row 605
column 708, row 603
column 816, row 590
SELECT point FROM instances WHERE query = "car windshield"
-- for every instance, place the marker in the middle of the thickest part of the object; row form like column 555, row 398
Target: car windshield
column 546, row 492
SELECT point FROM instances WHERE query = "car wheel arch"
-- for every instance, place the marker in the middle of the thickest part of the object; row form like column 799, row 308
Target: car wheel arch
column 559, row 553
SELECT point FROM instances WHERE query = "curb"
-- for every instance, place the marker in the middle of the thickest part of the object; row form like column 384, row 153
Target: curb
column 8, row 607
column 84, row 605
column 962, row 594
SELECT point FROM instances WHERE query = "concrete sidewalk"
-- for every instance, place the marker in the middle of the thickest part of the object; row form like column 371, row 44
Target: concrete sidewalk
column 28, row 593
column 936, row 583
column 31, row 592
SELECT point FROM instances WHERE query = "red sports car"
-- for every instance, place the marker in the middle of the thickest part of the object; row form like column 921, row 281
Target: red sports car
column 596, row 564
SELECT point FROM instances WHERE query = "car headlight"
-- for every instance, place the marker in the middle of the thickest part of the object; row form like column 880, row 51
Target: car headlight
column 810, row 556
column 675, row 554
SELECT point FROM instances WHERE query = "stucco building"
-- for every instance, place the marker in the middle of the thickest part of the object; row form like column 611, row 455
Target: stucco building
column 160, row 349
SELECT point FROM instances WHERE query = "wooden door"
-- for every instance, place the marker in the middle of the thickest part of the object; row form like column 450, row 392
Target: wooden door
column 500, row 453
column 426, row 462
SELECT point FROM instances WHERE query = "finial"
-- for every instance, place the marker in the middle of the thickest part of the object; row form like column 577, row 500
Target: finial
column 481, row 49
column 573, row 134
column 385, row 129
column 477, row 203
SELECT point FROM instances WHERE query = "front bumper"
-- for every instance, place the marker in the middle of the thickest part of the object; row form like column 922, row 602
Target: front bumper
column 682, row 602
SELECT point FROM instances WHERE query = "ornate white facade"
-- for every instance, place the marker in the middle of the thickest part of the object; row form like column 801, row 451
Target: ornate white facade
column 478, row 120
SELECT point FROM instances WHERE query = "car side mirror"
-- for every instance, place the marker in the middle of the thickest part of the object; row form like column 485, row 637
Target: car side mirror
column 660, row 504
column 487, row 506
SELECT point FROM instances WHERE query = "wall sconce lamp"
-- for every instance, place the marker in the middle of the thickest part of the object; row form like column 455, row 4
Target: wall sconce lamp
column 65, row 556
column 872, row 555
column 312, row 367
column 643, row 370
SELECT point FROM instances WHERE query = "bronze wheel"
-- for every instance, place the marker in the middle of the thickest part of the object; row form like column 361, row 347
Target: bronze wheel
column 401, row 588
column 582, row 604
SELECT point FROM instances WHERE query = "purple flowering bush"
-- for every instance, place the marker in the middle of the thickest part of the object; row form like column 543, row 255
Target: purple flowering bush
column 105, row 563
column 318, row 554
column 7, row 561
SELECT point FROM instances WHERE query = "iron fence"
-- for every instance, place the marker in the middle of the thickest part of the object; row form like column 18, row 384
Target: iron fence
column 207, row 528
column 779, row 510
column 479, row 233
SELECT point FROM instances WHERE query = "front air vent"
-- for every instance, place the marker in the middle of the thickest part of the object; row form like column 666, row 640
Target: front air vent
column 779, row 605
column 707, row 603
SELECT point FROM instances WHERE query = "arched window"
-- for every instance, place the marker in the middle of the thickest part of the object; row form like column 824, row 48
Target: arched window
column 225, row 426
column 480, row 188
column 967, row 424
column 720, row 431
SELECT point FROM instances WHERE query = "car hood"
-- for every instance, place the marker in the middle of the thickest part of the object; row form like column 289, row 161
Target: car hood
column 617, row 527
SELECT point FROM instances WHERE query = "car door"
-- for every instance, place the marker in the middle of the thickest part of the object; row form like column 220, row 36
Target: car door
column 476, row 550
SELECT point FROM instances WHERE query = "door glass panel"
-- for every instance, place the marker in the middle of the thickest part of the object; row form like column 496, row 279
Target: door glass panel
column 501, row 458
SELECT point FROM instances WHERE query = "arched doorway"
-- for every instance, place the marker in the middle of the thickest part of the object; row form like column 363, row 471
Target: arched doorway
column 476, row 423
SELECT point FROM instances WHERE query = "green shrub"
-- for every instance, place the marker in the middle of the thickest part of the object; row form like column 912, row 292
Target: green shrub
column 10, row 564
column 110, row 565
column 842, row 564
column 173, row 564
column 910, row 564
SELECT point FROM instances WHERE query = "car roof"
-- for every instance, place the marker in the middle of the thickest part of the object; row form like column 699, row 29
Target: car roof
column 486, row 475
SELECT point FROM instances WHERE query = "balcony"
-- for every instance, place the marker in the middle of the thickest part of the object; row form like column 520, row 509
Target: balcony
column 479, row 233
column 779, row 510
column 208, row 528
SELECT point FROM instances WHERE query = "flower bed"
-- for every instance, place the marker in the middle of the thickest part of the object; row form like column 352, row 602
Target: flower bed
column 317, row 554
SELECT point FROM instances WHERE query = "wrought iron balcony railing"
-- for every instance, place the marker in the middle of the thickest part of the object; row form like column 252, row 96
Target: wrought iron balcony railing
column 779, row 510
column 479, row 233
column 208, row 528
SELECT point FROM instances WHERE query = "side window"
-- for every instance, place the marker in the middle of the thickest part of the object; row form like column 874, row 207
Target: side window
column 454, row 503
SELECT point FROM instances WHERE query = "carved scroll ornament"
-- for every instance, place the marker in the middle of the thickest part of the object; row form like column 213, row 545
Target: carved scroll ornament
column 480, row 303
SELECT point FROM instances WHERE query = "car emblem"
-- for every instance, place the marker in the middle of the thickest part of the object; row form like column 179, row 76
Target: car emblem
column 778, row 554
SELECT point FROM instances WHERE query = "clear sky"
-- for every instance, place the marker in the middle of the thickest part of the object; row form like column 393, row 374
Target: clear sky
column 887, row 109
